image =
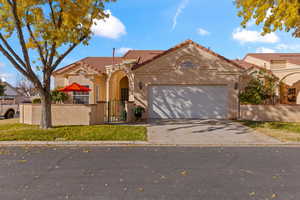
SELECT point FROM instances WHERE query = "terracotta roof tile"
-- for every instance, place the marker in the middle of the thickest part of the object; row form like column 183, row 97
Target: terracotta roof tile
column 142, row 55
column 181, row 45
column 247, row 65
column 96, row 63
column 293, row 58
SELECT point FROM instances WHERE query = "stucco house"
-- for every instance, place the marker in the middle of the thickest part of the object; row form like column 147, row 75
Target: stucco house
column 11, row 95
column 285, row 66
column 185, row 81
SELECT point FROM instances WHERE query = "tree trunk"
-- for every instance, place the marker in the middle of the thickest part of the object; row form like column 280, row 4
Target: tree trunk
column 46, row 118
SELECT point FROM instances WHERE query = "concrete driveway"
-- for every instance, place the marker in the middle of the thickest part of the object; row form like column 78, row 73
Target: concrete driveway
column 204, row 132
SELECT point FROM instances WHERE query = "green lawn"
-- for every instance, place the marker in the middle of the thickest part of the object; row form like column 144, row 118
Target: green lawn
column 20, row 132
column 284, row 131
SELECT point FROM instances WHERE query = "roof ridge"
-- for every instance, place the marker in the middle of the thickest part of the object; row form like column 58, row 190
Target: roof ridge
column 186, row 42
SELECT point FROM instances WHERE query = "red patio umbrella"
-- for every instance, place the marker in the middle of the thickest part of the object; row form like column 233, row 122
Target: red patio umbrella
column 74, row 87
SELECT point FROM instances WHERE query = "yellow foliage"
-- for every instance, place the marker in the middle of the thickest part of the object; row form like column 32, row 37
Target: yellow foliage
column 272, row 14
column 55, row 21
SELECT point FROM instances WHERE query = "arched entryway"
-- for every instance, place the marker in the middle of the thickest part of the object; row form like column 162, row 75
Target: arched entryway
column 119, row 87
column 290, row 88
column 119, row 93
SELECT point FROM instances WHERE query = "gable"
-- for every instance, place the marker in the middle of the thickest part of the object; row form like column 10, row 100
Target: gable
column 10, row 91
column 77, row 69
column 186, row 57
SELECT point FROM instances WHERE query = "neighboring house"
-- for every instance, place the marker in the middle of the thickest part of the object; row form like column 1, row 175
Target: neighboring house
column 285, row 66
column 186, row 81
column 11, row 95
column 251, row 71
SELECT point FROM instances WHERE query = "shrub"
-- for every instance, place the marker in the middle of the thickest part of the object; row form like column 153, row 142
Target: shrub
column 138, row 112
column 36, row 101
column 59, row 97
column 258, row 90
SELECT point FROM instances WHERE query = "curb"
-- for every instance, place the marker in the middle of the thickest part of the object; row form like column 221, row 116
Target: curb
column 72, row 143
column 137, row 143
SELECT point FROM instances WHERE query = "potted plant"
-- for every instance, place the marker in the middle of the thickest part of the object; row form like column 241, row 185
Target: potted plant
column 138, row 112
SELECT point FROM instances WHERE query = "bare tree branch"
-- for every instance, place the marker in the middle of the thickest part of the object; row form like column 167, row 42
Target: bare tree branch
column 20, row 33
column 12, row 60
column 61, row 57
column 46, row 50
column 21, row 62
column 52, row 12
column 40, row 50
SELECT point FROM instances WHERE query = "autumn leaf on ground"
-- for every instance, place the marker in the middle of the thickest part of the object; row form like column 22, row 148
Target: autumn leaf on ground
column 183, row 173
column 141, row 189
column 163, row 177
column 252, row 194
column 21, row 161
column 274, row 196
column 86, row 151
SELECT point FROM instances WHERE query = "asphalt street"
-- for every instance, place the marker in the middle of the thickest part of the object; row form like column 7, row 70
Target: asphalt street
column 149, row 173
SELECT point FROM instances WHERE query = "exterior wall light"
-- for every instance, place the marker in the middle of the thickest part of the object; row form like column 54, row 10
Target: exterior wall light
column 236, row 86
column 140, row 85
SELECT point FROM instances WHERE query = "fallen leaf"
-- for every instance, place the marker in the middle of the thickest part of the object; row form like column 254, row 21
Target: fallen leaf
column 163, row 177
column 274, row 196
column 252, row 193
column 141, row 189
column 22, row 161
column 183, row 173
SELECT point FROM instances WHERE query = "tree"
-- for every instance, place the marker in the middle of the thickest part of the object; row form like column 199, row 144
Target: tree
column 273, row 14
column 261, row 87
column 26, row 87
column 48, row 30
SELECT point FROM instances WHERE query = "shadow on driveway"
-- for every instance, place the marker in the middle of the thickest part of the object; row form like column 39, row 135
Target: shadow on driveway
column 204, row 132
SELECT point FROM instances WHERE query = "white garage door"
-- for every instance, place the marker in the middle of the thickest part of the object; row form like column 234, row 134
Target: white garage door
column 188, row 102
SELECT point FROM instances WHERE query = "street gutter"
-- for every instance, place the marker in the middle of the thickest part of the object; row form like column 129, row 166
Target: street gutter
column 138, row 144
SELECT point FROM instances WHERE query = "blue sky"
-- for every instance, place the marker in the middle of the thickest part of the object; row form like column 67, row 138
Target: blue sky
column 161, row 24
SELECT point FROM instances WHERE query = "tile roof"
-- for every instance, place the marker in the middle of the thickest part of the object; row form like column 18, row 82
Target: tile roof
column 142, row 55
column 96, row 63
column 293, row 58
column 187, row 42
column 99, row 63
column 247, row 65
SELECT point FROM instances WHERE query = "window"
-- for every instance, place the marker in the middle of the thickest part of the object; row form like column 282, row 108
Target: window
column 292, row 94
column 124, row 94
column 187, row 64
column 81, row 97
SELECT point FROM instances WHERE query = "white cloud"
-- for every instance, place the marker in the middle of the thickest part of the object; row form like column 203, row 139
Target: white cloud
column 265, row 50
column 110, row 27
column 288, row 47
column 6, row 76
column 252, row 21
column 248, row 36
column 202, row 32
column 122, row 50
column 179, row 10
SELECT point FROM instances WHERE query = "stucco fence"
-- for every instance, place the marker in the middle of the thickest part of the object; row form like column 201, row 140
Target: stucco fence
column 71, row 114
column 284, row 113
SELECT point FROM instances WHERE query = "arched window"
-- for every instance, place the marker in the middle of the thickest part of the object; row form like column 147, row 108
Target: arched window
column 187, row 64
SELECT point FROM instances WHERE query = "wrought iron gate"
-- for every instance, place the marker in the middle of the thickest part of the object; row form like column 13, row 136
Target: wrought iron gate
column 115, row 112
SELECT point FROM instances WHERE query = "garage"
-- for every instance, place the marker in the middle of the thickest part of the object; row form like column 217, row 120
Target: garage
column 188, row 102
